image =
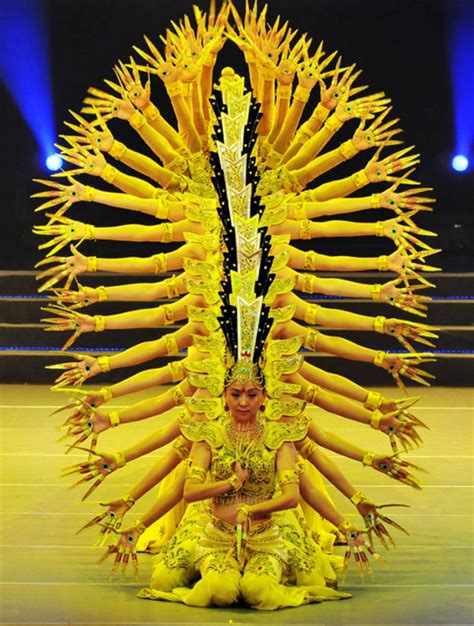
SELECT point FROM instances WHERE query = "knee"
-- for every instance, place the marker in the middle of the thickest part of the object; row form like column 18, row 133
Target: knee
column 256, row 589
column 223, row 588
column 165, row 579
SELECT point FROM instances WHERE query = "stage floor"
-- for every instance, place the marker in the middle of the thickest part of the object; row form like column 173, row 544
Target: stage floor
column 49, row 574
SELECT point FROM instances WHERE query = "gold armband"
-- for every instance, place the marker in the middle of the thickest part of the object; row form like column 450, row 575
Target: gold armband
column 310, row 393
column 137, row 120
column 101, row 294
column 91, row 264
column 160, row 262
column 379, row 358
column 181, row 448
column 177, row 371
column 299, row 211
column 162, row 212
column 99, row 323
column 172, row 290
column 104, row 364
column 174, row 89
column 106, row 393
column 114, row 418
column 320, row 113
column 379, row 322
column 90, row 232
column 307, row 448
column 177, row 395
column 168, row 315
column 375, row 201
column 308, row 283
column 139, row 526
column 302, row 94
column 89, row 193
column 333, row 124
column 109, row 173
column 368, row 456
column 311, row 340
column 311, row 314
column 376, row 292
column 235, row 481
column 347, row 150
column 360, row 179
column 310, row 260
column 284, row 91
column 119, row 458
column 373, row 400
column 246, row 510
column 375, row 419
column 305, row 229
column 378, row 230
column 171, row 345
column 168, row 231
column 194, row 472
column 150, row 112
column 382, row 263
column 303, row 135
column 288, row 477
column 117, row 150
column 128, row 500
column 357, row 498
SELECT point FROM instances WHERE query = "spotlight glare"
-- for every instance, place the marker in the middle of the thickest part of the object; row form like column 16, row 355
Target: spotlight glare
column 54, row 162
column 460, row 163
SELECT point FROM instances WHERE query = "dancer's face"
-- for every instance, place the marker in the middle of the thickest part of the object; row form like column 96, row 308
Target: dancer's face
column 244, row 401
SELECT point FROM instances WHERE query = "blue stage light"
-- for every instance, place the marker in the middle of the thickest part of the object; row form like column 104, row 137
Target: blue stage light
column 460, row 163
column 54, row 162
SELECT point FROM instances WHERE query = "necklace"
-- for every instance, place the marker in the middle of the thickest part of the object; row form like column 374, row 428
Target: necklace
column 243, row 440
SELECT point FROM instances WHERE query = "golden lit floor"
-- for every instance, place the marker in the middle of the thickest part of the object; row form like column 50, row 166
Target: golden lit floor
column 49, row 573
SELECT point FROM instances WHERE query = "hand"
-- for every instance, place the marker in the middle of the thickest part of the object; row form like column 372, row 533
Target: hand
column 337, row 94
column 68, row 320
column 62, row 194
column 406, row 365
column 357, row 547
column 408, row 199
column 165, row 69
column 406, row 331
column 84, row 423
column 110, row 520
column 76, row 372
column 69, row 268
column 108, row 106
column 241, row 473
column 97, row 470
column 243, row 520
column 403, row 298
column 131, row 84
column 289, row 60
column 311, row 70
column 93, row 135
column 400, row 426
column 377, row 134
column 398, row 469
column 375, row 522
column 405, row 263
column 364, row 107
column 404, row 235
column 124, row 548
column 88, row 160
column 378, row 171
column 76, row 299
column 63, row 233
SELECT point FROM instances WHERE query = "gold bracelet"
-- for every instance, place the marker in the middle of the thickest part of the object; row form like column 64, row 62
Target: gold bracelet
column 177, row 371
column 302, row 94
column 119, row 458
column 137, row 120
column 168, row 232
column 311, row 340
column 117, row 150
column 89, row 193
column 109, row 173
column 101, row 294
column 357, row 498
column 378, row 231
column 160, row 262
column 177, row 395
column 172, row 290
column 139, row 526
column 309, row 260
column 104, row 364
column 382, row 263
column 347, row 150
column 345, row 526
column 311, row 314
column 308, row 283
column 150, row 112
column 376, row 292
column 106, row 393
column 375, row 419
column 194, row 472
column 168, row 315
column 246, row 510
column 284, row 91
column 373, row 400
column 99, row 321
column 375, row 200
column 379, row 358
column 299, row 211
column 114, row 418
column 235, row 482
column 320, row 114
column 310, row 393
column 305, row 229
column 360, row 179
column 128, row 500
column 171, row 345
column 91, row 264
column 368, row 456
column 90, row 232
column 379, row 323
column 333, row 124
column 174, row 89
column 307, row 448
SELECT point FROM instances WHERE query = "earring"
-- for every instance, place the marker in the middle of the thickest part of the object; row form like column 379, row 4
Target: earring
column 262, row 408
column 226, row 407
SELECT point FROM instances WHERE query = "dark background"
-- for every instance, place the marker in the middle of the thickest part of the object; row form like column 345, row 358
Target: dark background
column 402, row 46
